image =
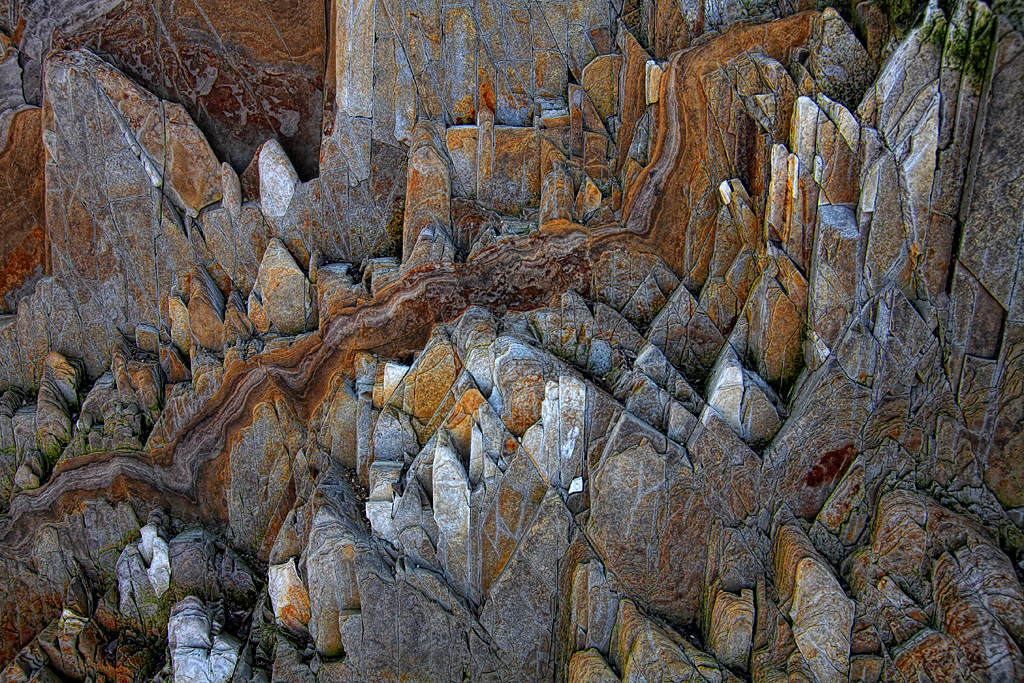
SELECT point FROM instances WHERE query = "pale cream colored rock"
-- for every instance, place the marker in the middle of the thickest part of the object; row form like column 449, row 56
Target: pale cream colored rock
column 199, row 652
column 725, row 389
column 744, row 400
column 556, row 443
column 451, row 511
column 25, row 478
column 288, row 597
column 652, row 81
column 159, row 569
column 148, row 534
column 277, row 179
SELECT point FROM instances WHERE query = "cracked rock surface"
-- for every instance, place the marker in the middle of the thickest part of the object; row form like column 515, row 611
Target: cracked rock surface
column 508, row 340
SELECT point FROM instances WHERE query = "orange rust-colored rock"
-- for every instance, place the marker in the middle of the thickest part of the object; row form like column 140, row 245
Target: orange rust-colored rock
column 21, row 195
column 675, row 191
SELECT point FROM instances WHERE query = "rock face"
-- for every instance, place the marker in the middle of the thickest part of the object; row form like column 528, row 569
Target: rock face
column 535, row 341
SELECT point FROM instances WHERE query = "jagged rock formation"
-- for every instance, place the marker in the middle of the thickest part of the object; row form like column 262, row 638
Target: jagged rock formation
column 533, row 341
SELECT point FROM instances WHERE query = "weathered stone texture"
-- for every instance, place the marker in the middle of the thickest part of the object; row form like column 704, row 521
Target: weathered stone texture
column 510, row 341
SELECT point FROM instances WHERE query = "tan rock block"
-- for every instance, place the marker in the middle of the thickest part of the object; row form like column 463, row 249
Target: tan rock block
column 231, row 189
column 550, row 73
column 237, row 326
column 462, row 150
column 631, row 77
column 598, row 158
column 257, row 313
column 430, row 378
column 601, row 83
column 485, row 155
column 286, row 296
column 206, row 311
column 288, row 597
column 515, row 175
column 556, row 193
column 191, row 169
column 174, row 365
column 931, row 655
column 429, row 189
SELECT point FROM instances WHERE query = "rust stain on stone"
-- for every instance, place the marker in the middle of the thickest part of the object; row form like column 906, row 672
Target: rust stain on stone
column 831, row 466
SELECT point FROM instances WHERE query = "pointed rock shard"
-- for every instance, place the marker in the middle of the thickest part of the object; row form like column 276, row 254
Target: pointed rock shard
column 637, row 285
column 206, row 311
column 822, row 614
column 277, row 179
column 231, row 188
column 159, row 569
column 451, row 512
column 840, row 65
column 588, row 199
column 685, row 333
column 285, row 292
column 744, row 400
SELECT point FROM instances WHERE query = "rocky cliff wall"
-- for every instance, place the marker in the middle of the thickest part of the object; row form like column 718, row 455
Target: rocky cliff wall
column 511, row 341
